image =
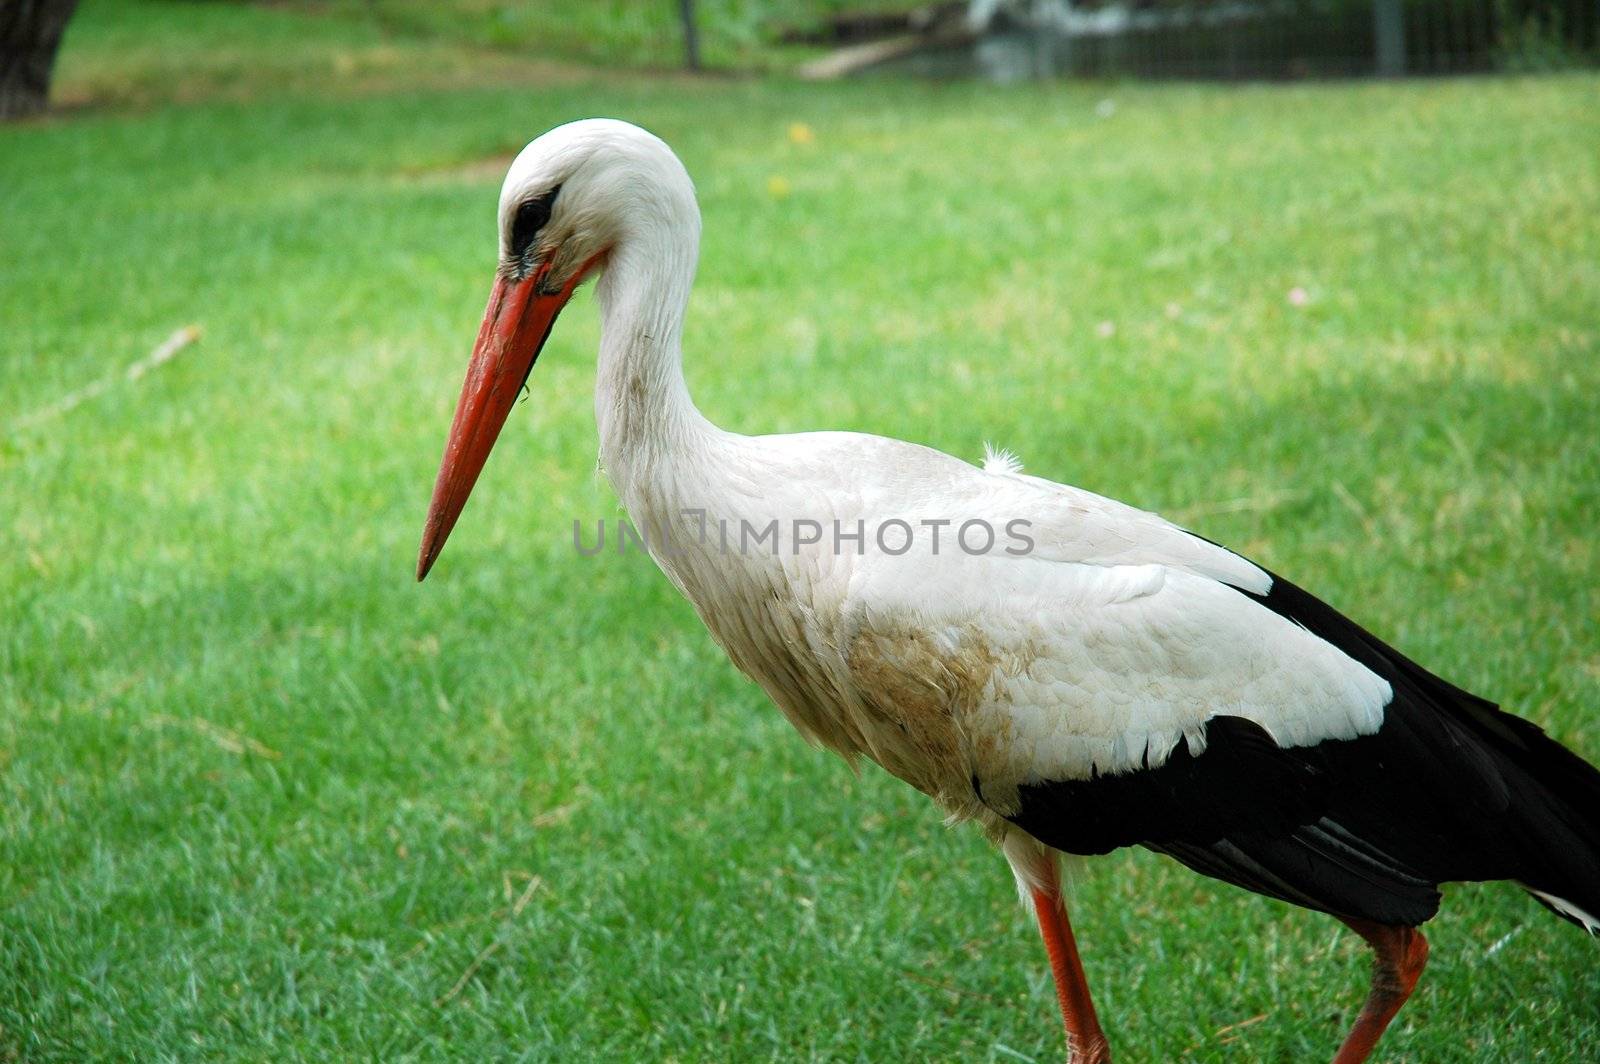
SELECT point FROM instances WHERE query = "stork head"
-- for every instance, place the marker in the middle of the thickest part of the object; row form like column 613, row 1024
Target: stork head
column 570, row 200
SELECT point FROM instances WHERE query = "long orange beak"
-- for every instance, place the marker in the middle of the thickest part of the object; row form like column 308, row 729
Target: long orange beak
column 515, row 326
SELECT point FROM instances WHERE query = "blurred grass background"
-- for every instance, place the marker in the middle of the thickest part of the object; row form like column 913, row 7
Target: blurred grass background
column 262, row 797
column 126, row 51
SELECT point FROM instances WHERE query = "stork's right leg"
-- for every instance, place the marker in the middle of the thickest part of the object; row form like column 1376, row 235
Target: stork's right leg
column 1399, row 954
column 1086, row 1043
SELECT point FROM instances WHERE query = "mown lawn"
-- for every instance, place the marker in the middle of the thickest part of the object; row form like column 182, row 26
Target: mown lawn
column 262, row 797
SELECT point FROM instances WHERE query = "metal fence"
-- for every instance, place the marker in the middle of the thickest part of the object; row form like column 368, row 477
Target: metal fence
column 1010, row 39
column 1318, row 38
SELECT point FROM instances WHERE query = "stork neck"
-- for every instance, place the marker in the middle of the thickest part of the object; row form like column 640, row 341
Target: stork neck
column 642, row 405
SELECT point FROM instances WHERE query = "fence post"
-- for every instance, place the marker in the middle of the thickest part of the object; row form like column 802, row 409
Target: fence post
column 1389, row 31
column 691, row 35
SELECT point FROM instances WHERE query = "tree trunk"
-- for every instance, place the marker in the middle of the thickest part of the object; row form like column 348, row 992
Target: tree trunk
column 30, row 33
column 691, row 34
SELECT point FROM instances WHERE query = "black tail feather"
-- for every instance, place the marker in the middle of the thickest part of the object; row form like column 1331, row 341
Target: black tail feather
column 1544, row 798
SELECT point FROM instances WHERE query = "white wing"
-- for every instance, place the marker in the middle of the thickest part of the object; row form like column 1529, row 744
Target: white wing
column 1117, row 637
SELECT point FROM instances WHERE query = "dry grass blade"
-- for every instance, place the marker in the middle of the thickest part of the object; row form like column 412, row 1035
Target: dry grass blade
column 1224, row 1032
column 533, row 884
column 466, row 976
column 165, row 352
column 230, row 740
column 559, row 815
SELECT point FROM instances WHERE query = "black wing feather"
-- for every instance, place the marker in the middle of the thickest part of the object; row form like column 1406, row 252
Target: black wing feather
column 1449, row 788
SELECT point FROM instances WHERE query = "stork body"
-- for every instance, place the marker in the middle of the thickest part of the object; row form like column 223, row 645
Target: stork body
column 1073, row 674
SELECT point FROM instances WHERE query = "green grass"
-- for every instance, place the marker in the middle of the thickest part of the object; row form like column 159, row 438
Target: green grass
column 264, row 798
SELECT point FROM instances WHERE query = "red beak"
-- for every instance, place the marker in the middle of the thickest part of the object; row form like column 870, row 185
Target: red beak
column 515, row 326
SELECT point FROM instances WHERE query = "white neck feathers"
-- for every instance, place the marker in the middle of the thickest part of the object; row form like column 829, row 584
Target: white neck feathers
column 642, row 404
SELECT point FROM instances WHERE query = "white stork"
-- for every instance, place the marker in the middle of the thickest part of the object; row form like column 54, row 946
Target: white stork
column 1073, row 674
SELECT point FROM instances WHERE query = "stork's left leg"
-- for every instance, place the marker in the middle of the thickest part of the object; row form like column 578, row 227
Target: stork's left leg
column 1086, row 1042
column 1400, row 953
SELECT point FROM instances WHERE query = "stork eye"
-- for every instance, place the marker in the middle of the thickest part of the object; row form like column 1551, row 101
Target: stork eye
column 531, row 217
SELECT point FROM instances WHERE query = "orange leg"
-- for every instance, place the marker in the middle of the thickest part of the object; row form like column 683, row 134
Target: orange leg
column 1086, row 1042
column 1400, row 953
